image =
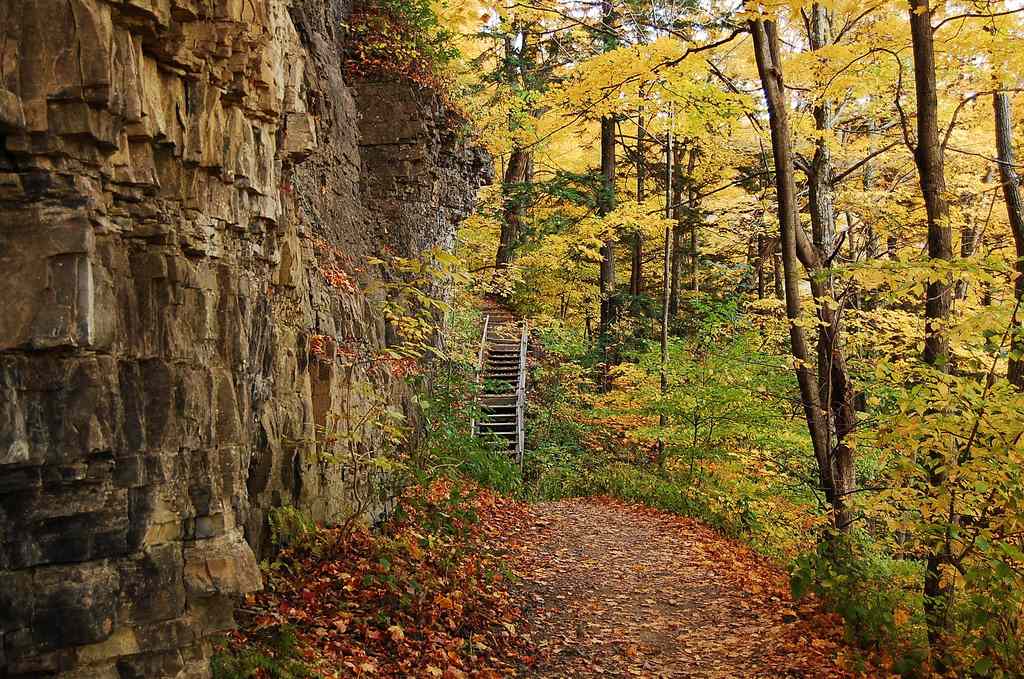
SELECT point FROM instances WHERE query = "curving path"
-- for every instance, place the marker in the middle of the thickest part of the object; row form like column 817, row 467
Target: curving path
column 621, row 591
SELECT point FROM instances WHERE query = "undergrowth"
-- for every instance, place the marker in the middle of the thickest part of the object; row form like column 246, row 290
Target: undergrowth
column 427, row 596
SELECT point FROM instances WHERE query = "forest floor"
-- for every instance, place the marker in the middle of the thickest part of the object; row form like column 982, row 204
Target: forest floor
column 475, row 585
column 617, row 590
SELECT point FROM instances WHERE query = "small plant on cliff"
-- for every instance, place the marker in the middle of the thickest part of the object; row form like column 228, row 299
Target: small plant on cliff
column 290, row 526
column 388, row 38
column 272, row 655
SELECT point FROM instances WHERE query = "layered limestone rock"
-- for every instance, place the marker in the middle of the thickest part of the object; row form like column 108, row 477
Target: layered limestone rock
column 180, row 183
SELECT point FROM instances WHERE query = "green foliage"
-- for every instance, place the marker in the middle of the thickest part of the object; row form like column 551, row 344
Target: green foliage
column 876, row 594
column 960, row 496
column 273, row 656
column 290, row 527
column 492, row 467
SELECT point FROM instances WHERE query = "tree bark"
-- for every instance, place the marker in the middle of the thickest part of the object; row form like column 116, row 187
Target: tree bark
column 607, row 200
column 835, row 387
column 931, row 173
column 666, row 266
column 518, row 169
column 692, row 215
column 607, row 204
column 769, row 67
column 636, row 264
column 676, row 177
column 1015, row 212
column 512, row 207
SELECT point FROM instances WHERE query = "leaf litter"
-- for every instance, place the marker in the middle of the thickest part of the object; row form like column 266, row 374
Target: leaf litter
column 617, row 590
column 588, row 587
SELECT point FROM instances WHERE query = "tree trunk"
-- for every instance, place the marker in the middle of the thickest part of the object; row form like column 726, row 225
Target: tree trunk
column 607, row 204
column 518, row 169
column 692, row 215
column 636, row 264
column 512, row 206
column 677, row 233
column 1015, row 212
column 769, row 67
column 835, row 387
column 931, row 173
column 665, row 269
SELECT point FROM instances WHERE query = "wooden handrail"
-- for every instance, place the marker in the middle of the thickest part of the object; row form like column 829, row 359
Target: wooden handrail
column 521, row 397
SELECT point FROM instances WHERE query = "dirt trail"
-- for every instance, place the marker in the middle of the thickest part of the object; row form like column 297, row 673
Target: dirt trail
column 615, row 590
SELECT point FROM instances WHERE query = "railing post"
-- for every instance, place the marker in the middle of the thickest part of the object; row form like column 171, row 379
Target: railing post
column 521, row 397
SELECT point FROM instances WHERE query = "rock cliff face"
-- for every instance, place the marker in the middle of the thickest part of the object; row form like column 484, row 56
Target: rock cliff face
column 187, row 190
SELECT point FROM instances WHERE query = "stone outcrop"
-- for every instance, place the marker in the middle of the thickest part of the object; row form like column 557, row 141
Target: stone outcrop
column 187, row 190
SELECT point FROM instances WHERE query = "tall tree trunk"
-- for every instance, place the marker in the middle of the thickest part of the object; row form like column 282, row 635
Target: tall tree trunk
column 607, row 202
column 692, row 216
column 931, row 173
column 677, row 233
column 607, row 277
column 1015, row 212
column 512, row 206
column 518, row 169
column 665, row 269
column 769, row 67
column 836, row 389
column 636, row 264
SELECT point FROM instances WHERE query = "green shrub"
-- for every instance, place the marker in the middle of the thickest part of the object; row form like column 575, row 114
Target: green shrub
column 273, row 655
column 290, row 527
column 493, row 467
column 875, row 594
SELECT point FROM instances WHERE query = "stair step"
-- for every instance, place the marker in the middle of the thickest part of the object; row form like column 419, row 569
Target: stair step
column 500, row 374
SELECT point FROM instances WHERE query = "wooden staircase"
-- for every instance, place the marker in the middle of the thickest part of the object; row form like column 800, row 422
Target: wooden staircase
column 502, row 370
